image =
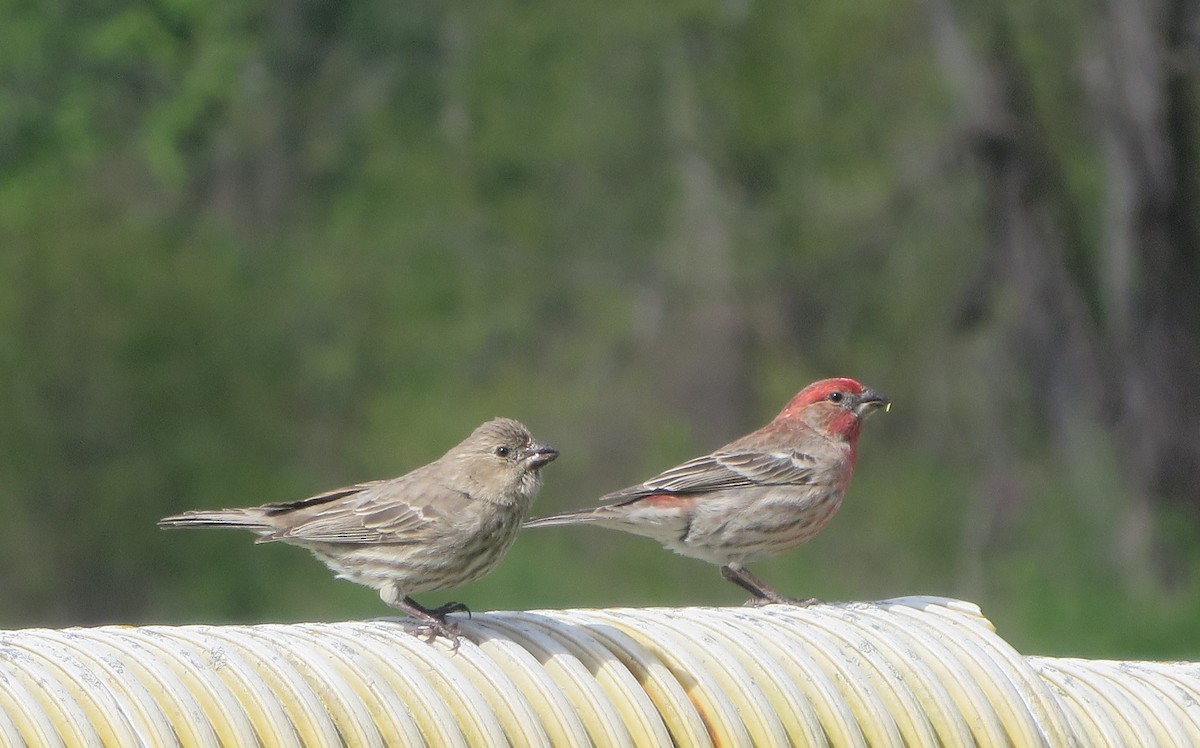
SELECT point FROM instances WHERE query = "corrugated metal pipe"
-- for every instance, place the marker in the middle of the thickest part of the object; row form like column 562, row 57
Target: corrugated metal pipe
column 912, row 671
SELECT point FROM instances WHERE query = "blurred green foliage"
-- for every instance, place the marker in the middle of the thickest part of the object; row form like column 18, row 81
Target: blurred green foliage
column 254, row 250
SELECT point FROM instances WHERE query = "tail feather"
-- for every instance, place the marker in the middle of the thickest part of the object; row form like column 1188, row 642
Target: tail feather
column 242, row 518
column 664, row 517
column 573, row 517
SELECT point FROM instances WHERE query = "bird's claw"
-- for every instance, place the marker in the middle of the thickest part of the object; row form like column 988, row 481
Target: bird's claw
column 430, row 630
column 442, row 611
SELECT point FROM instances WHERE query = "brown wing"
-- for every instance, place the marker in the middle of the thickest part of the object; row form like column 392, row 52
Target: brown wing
column 392, row 511
column 725, row 470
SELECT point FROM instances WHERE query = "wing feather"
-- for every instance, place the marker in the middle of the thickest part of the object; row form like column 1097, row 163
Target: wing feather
column 377, row 512
column 725, row 470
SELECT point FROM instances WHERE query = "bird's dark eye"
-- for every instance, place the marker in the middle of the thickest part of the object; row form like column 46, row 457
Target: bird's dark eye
column 502, row 451
column 836, row 397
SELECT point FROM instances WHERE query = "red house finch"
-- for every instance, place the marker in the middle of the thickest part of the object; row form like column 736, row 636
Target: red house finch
column 757, row 496
column 442, row 525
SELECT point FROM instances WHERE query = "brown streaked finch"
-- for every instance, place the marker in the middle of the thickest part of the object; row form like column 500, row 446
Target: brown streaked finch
column 442, row 525
column 757, row 496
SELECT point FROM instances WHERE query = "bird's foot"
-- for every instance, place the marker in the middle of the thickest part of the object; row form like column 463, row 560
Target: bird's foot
column 429, row 623
column 759, row 602
column 433, row 628
column 435, row 624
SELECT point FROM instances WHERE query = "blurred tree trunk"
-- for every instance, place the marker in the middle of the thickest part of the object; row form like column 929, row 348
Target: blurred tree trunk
column 702, row 341
column 1122, row 351
column 1147, row 88
column 1044, row 355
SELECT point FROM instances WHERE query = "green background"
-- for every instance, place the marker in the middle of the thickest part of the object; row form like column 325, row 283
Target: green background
column 250, row 251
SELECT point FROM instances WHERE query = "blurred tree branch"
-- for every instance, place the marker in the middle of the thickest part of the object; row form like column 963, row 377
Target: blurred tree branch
column 1123, row 352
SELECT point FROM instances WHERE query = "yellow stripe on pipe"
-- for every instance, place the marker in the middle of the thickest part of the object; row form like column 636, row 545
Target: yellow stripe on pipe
column 904, row 672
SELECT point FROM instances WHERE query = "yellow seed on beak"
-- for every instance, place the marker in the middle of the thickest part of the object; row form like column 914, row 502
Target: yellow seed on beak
column 887, row 407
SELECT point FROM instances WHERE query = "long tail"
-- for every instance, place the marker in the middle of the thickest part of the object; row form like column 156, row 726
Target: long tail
column 250, row 519
column 573, row 517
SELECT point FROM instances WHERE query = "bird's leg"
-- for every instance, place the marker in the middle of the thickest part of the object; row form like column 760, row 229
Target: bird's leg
column 763, row 593
column 433, row 623
column 737, row 575
column 430, row 622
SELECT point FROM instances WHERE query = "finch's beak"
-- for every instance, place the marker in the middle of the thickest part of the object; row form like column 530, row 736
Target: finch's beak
column 539, row 454
column 870, row 401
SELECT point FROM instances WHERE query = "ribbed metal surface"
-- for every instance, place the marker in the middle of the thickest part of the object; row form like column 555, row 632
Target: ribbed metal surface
column 1127, row 703
column 913, row 671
